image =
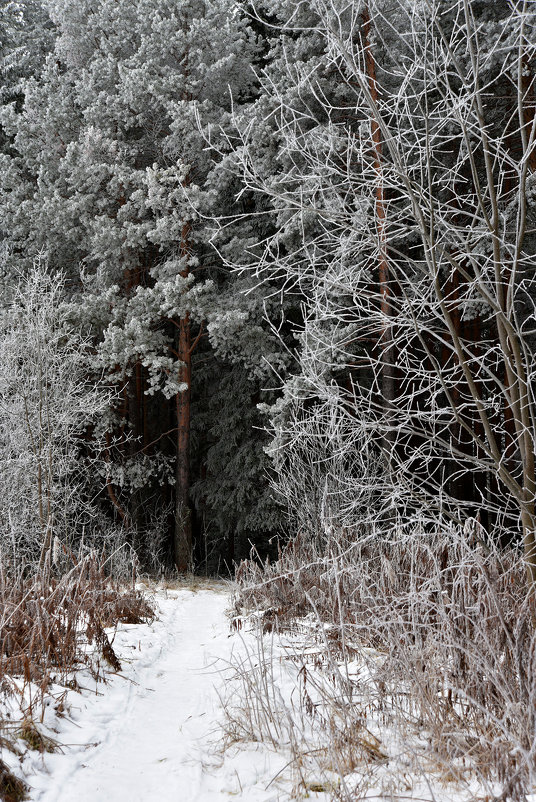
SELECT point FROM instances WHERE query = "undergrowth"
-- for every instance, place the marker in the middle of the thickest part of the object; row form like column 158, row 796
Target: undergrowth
column 50, row 627
column 416, row 655
column 12, row 789
column 44, row 621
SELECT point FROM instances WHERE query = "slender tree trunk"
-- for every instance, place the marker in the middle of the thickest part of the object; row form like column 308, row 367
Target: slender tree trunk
column 528, row 519
column 182, row 547
column 481, row 477
column 528, row 514
column 230, row 550
column 135, row 502
column 386, row 337
column 528, row 103
column 183, row 518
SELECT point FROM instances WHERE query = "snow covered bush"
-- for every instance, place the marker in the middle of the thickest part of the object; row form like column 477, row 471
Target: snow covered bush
column 48, row 405
column 420, row 645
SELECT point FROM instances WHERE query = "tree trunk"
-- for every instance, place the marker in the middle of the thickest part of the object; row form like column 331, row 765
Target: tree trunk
column 528, row 106
column 528, row 520
column 387, row 385
column 182, row 546
column 183, row 518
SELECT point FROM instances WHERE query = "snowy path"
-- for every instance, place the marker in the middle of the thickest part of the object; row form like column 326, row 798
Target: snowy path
column 150, row 730
column 153, row 733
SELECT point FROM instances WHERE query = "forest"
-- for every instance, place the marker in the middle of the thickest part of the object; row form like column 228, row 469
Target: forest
column 268, row 313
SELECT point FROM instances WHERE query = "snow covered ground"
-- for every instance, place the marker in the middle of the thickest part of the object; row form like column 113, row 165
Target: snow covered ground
column 152, row 733
column 157, row 731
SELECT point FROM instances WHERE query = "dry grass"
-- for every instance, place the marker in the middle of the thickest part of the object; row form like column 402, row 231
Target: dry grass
column 12, row 789
column 49, row 628
column 43, row 622
column 444, row 633
column 30, row 733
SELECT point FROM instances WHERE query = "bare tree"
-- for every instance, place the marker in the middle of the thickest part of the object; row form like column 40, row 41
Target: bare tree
column 435, row 106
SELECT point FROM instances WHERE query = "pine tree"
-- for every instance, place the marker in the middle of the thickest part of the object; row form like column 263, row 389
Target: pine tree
column 111, row 179
column 25, row 40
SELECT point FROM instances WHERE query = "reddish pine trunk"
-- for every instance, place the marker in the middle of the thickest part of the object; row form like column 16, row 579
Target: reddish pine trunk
column 182, row 546
column 529, row 106
column 183, row 519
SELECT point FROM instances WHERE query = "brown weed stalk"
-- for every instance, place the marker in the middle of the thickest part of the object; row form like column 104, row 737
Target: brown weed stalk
column 45, row 620
column 446, row 629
